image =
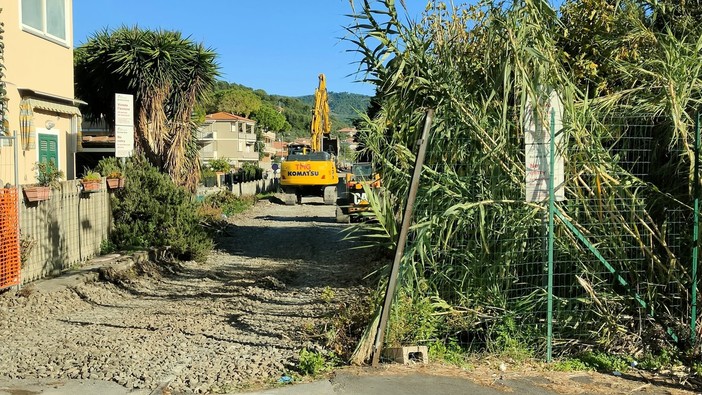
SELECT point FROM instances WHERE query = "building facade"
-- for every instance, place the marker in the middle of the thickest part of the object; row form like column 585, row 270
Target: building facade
column 40, row 107
column 228, row 136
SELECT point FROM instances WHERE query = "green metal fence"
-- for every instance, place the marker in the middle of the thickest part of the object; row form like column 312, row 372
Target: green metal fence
column 613, row 265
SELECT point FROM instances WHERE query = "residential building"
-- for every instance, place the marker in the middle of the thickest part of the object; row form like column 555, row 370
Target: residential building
column 228, row 136
column 348, row 136
column 269, row 151
column 281, row 149
column 40, row 106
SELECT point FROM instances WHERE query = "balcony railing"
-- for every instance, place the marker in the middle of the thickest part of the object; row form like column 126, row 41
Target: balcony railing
column 248, row 137
column 206, row 135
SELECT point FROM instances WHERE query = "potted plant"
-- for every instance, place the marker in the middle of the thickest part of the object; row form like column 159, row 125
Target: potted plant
column 115, row 179
column 114, row 175
column 48, row 176
column 91, row 181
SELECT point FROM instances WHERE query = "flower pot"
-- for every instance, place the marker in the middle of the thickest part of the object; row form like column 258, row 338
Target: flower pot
column 90, row 186
column 37, row 194
column 115, row 183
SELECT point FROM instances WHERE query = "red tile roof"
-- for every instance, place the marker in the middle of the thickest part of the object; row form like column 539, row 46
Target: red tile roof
column 225, row 116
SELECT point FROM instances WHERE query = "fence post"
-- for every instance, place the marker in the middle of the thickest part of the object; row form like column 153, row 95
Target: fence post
column 402, row 239
column 695, row 232
column 551, row 209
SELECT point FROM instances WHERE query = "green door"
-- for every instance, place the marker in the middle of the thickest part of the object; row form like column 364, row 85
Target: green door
column 48, row 148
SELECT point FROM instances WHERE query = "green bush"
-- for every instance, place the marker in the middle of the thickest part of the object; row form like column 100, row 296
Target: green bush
column 228, row 203
column 315, row 362
column 412, row 320
column 151, row 211
column 220, row 165
column 605, row 362
column 250, row 172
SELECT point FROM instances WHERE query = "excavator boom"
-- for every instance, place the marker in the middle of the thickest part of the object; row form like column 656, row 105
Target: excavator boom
column 321, row 125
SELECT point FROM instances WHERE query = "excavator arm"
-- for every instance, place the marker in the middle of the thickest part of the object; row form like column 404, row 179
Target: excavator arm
column 321, row 125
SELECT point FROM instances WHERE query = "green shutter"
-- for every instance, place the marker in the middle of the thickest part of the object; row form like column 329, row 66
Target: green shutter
column 48, row 148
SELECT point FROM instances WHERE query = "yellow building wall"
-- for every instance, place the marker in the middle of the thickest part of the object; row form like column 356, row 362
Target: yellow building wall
column 36, row 63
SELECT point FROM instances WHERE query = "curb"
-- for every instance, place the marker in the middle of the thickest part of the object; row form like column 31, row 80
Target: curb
column 101, row 268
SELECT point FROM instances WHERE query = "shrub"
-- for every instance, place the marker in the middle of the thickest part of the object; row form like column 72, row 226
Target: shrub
column 250, row 172
column 314, row 362
column 220, row 165
column 412, row 320
column 228, row 203
column 151, row 211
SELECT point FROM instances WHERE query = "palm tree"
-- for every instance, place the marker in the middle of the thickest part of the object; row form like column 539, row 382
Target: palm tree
column 168, row 75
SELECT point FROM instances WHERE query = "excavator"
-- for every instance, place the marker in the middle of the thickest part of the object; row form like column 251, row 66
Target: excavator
column 310, row 169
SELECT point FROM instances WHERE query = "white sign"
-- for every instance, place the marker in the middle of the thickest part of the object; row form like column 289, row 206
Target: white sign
column 124, row 109
column 124, row 125
column 537, row 146
column 124, row 141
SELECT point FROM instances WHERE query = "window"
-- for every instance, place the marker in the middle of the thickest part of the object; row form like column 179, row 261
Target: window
column 45, row 17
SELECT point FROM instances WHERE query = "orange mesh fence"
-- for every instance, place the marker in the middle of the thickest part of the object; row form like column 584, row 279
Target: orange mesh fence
column 9, row 238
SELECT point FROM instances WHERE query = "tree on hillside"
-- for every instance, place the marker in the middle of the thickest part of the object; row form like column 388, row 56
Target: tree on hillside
column 168, row 75
column 237, row 101
column 267, row 118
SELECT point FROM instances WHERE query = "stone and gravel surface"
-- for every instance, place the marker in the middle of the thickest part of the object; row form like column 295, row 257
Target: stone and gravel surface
column 237, row 321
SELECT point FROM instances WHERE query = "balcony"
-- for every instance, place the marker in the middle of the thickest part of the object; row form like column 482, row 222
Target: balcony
column 206, row 135
column 250, row 138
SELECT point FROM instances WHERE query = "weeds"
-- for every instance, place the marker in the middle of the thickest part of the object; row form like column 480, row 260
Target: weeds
column 107, row 247
column 450, row 353
column 327, row 295
column 313, row 363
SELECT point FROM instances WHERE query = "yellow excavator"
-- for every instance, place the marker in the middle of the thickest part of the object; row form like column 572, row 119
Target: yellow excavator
column 310, row 170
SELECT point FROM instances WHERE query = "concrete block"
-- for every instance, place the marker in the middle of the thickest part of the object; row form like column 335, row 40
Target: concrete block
column 407, row 354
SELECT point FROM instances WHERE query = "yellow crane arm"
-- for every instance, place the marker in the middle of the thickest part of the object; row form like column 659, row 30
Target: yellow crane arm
column 321, row 125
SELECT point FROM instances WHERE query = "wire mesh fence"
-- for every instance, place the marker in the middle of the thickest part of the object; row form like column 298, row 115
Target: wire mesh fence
column 622, row 274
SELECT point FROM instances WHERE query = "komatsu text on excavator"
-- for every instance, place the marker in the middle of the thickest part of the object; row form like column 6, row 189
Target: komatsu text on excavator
column 310, row 170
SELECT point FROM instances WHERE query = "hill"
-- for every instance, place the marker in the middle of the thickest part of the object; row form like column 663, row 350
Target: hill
column 298, row 110
column 343, row 105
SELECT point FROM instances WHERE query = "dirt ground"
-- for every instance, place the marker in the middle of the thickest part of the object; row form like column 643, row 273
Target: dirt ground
column 236, row 322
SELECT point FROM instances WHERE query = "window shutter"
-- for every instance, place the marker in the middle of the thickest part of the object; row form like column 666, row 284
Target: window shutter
column 48, row 148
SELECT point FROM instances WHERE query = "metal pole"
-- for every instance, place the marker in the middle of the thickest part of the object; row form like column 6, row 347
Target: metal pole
column 551, row 209
column 18, row 193
column 400, row 248
column 695, row 232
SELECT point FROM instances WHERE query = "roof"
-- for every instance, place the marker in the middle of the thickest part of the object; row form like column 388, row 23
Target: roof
column 347, row 130
column 225, row 116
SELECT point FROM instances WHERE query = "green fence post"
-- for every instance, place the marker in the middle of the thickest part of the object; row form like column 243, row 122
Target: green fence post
column 695, row 232
column 551, row 209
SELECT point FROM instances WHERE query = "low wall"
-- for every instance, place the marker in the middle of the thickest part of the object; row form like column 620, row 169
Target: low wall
column 253, row 188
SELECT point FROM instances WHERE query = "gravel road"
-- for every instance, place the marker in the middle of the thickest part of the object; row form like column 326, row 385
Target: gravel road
column 235, row 322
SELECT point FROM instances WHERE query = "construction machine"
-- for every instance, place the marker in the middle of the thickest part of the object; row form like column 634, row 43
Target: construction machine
column 310, row 169
column 354, row 201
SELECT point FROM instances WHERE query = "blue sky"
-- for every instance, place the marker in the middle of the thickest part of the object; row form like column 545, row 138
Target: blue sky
column 279, row 46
